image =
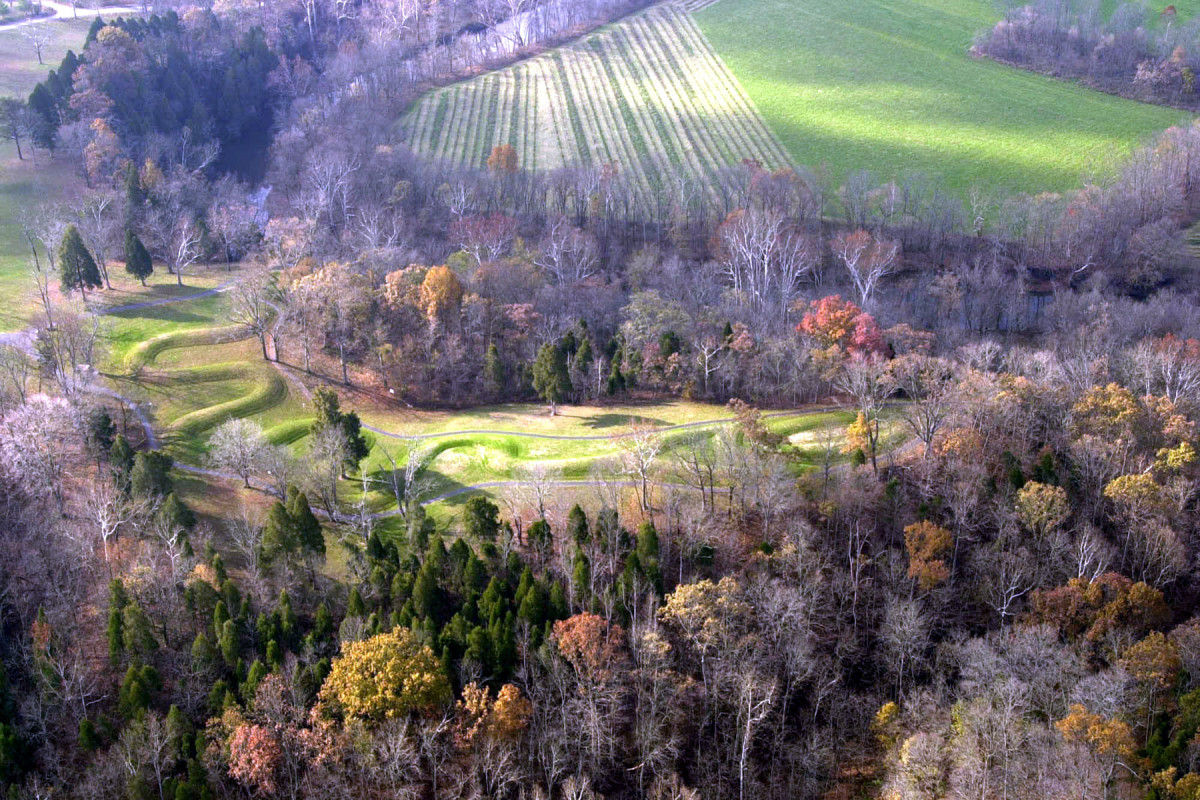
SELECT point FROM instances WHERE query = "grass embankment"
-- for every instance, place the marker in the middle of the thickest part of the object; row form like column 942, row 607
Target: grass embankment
column 191, row 371
column 887, row 85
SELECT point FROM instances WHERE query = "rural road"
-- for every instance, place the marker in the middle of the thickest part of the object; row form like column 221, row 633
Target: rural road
column 64, row 12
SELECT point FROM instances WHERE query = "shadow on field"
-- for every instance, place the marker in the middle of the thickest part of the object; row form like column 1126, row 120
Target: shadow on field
column 438, row 484
column 620, row 420
column 163, row 313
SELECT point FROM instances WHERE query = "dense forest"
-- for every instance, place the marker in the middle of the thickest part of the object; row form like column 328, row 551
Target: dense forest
column 1002, row 606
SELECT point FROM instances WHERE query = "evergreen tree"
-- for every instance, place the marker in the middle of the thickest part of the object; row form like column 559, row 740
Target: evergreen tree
column 305, row 524
column 616, row 380
column 355, row 606
column 121, row 459
column 228, row 642
column 135, row 198
column 493, row 372
column 88, row 738
column 647, row 543
column 137, row 258
column 288, row 625
column 329, row 415
column 279, row 534
column 540, row 534
column 203, row 655
column 577, row 525
column 101, row 431
column 151, row 474
column 77, row 268
column 175, row 512
column 550, row 377
column 481, row 518
column 581, row 575
column 116, row 634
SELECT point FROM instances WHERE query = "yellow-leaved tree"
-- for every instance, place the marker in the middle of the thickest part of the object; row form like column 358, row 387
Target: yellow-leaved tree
column 387, row 676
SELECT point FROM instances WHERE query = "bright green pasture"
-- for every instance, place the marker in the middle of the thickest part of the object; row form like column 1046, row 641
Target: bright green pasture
column 888, row 86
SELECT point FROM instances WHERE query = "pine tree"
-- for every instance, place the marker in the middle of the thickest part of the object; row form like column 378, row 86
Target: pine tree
column 493, row 372
column 137, row 258
column 307, row 527
column 100, row 431
column 279, row 534
column 77, row 268
column 481, row 518
column 228, row 642
column 287, row 617
column 577, row 525
column 550, row 377
column 175, row 512
column 120, row 459
column 150, row 476
column 355, row 606
column 616, row 380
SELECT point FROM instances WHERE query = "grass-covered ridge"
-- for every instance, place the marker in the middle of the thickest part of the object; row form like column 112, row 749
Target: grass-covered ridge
column 189, row 370
column 888, row 85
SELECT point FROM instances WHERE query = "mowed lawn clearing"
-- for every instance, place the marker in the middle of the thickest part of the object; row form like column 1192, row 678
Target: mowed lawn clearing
column 32, row 181
column 19, row 67
column 888, row 86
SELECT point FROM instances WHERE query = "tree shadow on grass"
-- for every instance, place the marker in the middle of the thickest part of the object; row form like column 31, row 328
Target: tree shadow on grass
column 603, row 421
column 165, row 312
column 436, row 485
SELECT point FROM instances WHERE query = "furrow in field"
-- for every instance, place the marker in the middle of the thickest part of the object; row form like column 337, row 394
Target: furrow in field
column 467, row 104
column 704, row 119
column 574, row 111
column 492, row 121
column 648, row 94
column 648, row 146
column 418, row 120
column 700, row 155
column 583, row 86
column 624, row 132
column 701, row 77
column 474, row 127
column 555, row 113
column 504, row 108
column 651, row 97
column 449, row 128
column 475, row 124
column 737, row 104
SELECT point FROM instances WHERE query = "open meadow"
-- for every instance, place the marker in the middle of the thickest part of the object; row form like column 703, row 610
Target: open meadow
column 888, row 86
column 36, row 179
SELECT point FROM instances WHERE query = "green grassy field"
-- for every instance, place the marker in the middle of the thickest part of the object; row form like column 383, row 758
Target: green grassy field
column 23, row 183
column 887, row 85
column 19, row 68
column 190, row 371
